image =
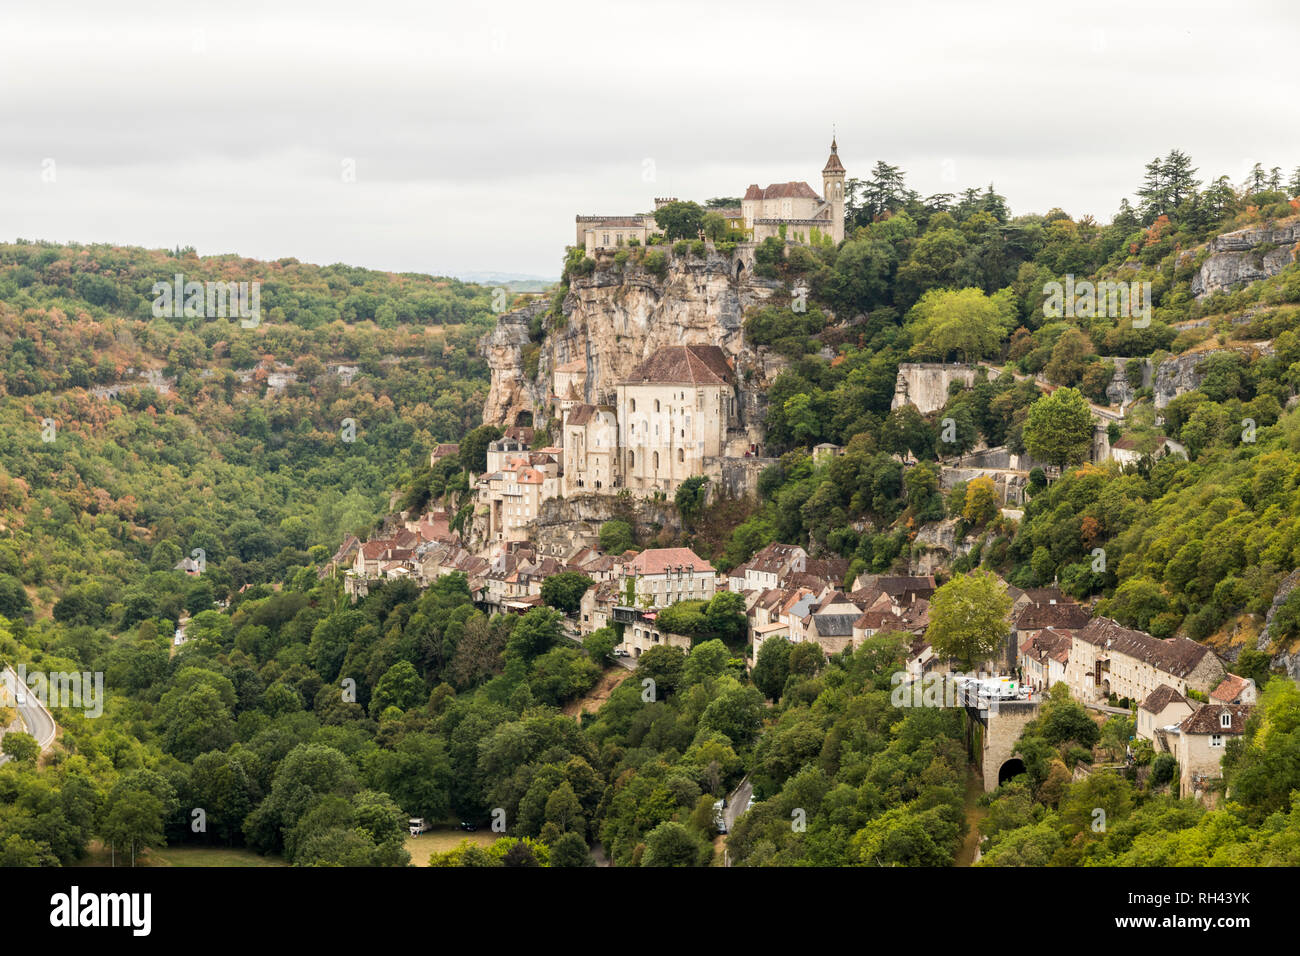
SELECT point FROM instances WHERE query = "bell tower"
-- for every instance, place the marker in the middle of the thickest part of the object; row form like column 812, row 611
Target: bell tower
column 833, row 186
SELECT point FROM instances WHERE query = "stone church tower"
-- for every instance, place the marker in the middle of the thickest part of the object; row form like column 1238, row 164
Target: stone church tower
column 833, row 191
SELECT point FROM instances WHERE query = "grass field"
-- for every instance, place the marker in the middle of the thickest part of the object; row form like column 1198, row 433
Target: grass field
column 441, row 840
column 182, row 856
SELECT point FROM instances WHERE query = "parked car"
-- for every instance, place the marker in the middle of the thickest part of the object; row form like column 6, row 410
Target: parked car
column 468, row 827
column 719, row 818
column 619, row 652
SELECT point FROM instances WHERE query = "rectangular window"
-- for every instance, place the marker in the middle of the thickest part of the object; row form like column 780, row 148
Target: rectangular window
column 1216, row 740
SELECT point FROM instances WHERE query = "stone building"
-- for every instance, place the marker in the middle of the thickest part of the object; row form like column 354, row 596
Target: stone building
column 510, row 497
column 674, row 411
column 1106, row 658
column 663, row 576
column 793, row 210
column 610, row 232
column 1199, row 744
column 1163, row 708
column 590, row 449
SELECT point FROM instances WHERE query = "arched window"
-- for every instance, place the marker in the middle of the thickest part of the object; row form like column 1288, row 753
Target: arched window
column 681, row 454
column 632, row 404
column 631, row 459
column 656, row 404
column 656, row 461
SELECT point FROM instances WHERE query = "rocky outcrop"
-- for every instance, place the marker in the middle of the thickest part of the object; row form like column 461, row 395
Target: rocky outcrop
column 1247, row 255
column 615, row 318
column 511, row 392
column 936, row 545
column 1181, row 373
column 925, row 384
column 1120, row 391
column 1284, row 658
column 564, row 525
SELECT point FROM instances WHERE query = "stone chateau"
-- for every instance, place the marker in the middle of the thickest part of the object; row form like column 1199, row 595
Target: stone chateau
column 793, row 211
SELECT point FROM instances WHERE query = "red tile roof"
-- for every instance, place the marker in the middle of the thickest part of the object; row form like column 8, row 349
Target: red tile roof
column 790, row 190
column 659, row 560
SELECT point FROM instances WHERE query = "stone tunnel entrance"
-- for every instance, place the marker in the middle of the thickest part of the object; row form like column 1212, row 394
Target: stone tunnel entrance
column 1010, row 770
column 993, row 732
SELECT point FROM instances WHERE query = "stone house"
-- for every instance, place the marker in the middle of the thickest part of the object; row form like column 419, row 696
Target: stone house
column 769, row 568
column 1235, row 690
column 1163, row 708
column 664, row 576
column 590, row 441
column 1106, row 658
column 1199, row 746
column 1043, row 659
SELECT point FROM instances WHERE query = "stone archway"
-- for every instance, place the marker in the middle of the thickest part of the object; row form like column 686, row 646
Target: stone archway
column 1010, row 769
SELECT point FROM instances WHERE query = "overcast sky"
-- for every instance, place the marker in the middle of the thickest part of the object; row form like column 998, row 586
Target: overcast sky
column 473, row 134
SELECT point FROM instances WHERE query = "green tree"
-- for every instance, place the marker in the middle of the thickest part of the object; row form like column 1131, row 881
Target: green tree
column 674, row 844
column 571, row 850
column 1059, row 428
column 400, row 687
column 564, row 591
column 616, row 537
column 20, row 746
column 680, row 220
column 473, row 448
column 965, row 322
column 969, row 618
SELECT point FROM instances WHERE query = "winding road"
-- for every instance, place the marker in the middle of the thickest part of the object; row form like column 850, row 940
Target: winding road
column 35, row 717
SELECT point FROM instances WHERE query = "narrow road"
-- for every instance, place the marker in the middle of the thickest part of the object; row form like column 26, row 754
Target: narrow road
column 35, row 717
column 737, row 803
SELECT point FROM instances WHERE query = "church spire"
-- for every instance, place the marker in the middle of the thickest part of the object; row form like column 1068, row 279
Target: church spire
column 833, row 164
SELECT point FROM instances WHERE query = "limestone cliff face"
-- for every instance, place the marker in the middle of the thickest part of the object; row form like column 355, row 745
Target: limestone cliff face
column 1285, row 657
column 1247, row 255
column 504, row 346
column 614, row 319
column 1180, row 373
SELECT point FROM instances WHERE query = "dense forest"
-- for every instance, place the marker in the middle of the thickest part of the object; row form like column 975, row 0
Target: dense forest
column 128, row 441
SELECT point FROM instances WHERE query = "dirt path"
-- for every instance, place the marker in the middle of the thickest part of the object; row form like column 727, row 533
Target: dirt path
column 974, row 813
column 591, row 701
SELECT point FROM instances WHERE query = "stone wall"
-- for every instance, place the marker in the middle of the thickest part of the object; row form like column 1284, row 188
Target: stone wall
column 734, row 477
column 1002, row 728
column 564, row 525
column 925, row 384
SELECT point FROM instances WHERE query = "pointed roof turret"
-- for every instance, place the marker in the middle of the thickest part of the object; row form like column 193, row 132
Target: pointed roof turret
column 833, row 164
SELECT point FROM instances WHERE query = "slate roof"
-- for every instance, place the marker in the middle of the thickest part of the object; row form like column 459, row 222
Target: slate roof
column 790, row 190
column 833, row 164
column 1208, row 720
column 1162, row 697
column 1178, row 656
column 684, row 365
column 834, row 625
column 1066, row 616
